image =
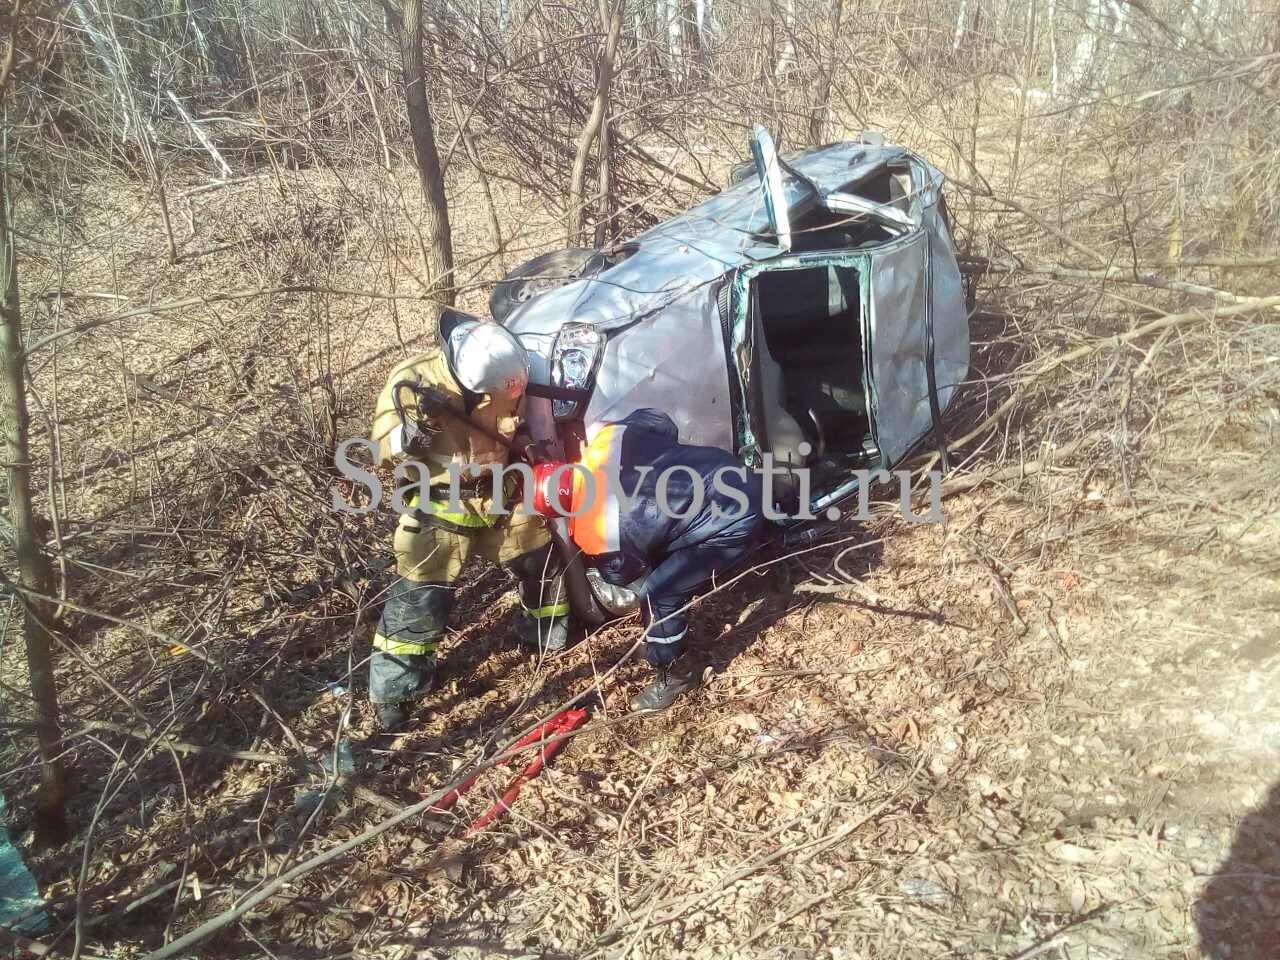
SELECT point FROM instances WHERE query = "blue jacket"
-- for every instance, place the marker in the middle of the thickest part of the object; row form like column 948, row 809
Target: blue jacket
column 679, row 496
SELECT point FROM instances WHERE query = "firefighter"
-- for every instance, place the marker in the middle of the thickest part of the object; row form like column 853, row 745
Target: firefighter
column 482, row 370
column 694, row 513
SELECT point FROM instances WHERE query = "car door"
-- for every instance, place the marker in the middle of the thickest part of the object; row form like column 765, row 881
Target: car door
column 897, row 348
column 765, row 156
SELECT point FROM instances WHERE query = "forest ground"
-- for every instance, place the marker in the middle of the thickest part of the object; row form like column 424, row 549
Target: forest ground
column 1045, row 727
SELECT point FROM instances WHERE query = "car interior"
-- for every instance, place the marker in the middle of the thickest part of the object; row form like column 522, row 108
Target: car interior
column 825, row 230
column 806, row 328
column 807, row 381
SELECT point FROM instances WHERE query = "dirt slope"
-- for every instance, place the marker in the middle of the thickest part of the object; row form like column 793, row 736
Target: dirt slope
column 1044, row 728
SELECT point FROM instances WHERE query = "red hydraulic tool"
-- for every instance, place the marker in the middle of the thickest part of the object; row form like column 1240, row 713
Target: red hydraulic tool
column 558, row 727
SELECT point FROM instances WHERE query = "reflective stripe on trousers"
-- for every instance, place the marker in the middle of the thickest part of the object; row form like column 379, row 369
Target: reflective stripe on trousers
column 439, row 510
column 429, row 557
column 548, row 611
column 403, row 662
column 403, row 648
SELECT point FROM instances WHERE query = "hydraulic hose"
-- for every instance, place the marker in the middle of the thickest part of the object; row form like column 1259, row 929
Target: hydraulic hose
column 582, row 598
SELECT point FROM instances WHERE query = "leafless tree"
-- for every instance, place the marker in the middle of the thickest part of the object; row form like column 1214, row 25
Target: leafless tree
column 422, row 130
column 33, row 578
column 611, row 15
column 822, row 103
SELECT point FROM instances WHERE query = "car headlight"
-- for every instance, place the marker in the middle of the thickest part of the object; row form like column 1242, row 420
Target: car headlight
column 575, row 358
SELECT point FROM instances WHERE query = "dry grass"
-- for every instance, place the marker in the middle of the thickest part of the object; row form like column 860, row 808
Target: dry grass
column 1031, row 731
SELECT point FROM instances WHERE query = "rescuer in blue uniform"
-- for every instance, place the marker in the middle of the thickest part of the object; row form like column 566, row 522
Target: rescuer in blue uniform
column 663, row 517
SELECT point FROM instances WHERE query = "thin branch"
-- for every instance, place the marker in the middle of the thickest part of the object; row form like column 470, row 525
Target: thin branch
column 218, row 296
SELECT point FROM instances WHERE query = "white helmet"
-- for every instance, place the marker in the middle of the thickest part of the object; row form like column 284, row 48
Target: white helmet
column 487, row 358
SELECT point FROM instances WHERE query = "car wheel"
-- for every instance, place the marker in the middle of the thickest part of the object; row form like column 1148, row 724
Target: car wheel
column 537, row 276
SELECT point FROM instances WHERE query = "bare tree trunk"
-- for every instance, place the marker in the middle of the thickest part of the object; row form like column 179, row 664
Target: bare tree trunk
column 463, row 120
column 702, row 23
column 212, row 40
column 817, row 118
column 422, row 131
column 604, row 216
column 1028, row 66
column 957, row 32
column 1053, row 49
column 33, row 570
column 611, row 19
column 690, row 37
column 787, row 61
column 675, row 49
column 1086, row 43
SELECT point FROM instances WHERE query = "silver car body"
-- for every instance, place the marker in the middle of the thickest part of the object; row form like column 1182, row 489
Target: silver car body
column 675, row 307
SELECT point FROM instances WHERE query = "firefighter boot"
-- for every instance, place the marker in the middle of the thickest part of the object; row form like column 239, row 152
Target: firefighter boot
column 402, row 664
column 391, row 716
column 546, row 634
column 543, row 626
column 669, row 683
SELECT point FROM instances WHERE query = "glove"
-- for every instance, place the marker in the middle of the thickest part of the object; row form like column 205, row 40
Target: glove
column 418, row 435
column 535, row 451
column 418, row 425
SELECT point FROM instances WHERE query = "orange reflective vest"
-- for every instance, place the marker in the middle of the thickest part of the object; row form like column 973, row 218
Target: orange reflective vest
column 593, row 524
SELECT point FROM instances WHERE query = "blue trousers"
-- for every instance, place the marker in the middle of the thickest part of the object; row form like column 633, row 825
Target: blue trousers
column 681, row 576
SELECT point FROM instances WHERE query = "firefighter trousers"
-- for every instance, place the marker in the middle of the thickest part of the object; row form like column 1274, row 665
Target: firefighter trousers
column 431, row 547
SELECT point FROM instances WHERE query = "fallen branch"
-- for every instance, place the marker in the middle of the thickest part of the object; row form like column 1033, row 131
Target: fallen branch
column 1079, row 353
column 87, row 295
column 219, row 184
column 981, row 265
column 1228, row 263
column 968, row 482
column 811, row 672
column 250, row 756
column 265, row 892
column 200, row 135
column 180, row 746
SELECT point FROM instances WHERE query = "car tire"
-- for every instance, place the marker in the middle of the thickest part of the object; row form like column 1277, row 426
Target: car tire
column 547, row 272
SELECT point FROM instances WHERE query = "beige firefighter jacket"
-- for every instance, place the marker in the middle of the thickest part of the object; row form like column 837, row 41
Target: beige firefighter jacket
column 455, row 442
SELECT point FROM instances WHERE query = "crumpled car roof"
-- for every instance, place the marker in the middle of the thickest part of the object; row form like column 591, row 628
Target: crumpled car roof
column 697, row 247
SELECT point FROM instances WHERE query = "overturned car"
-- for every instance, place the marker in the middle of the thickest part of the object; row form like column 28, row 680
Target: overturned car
column 813, row 310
